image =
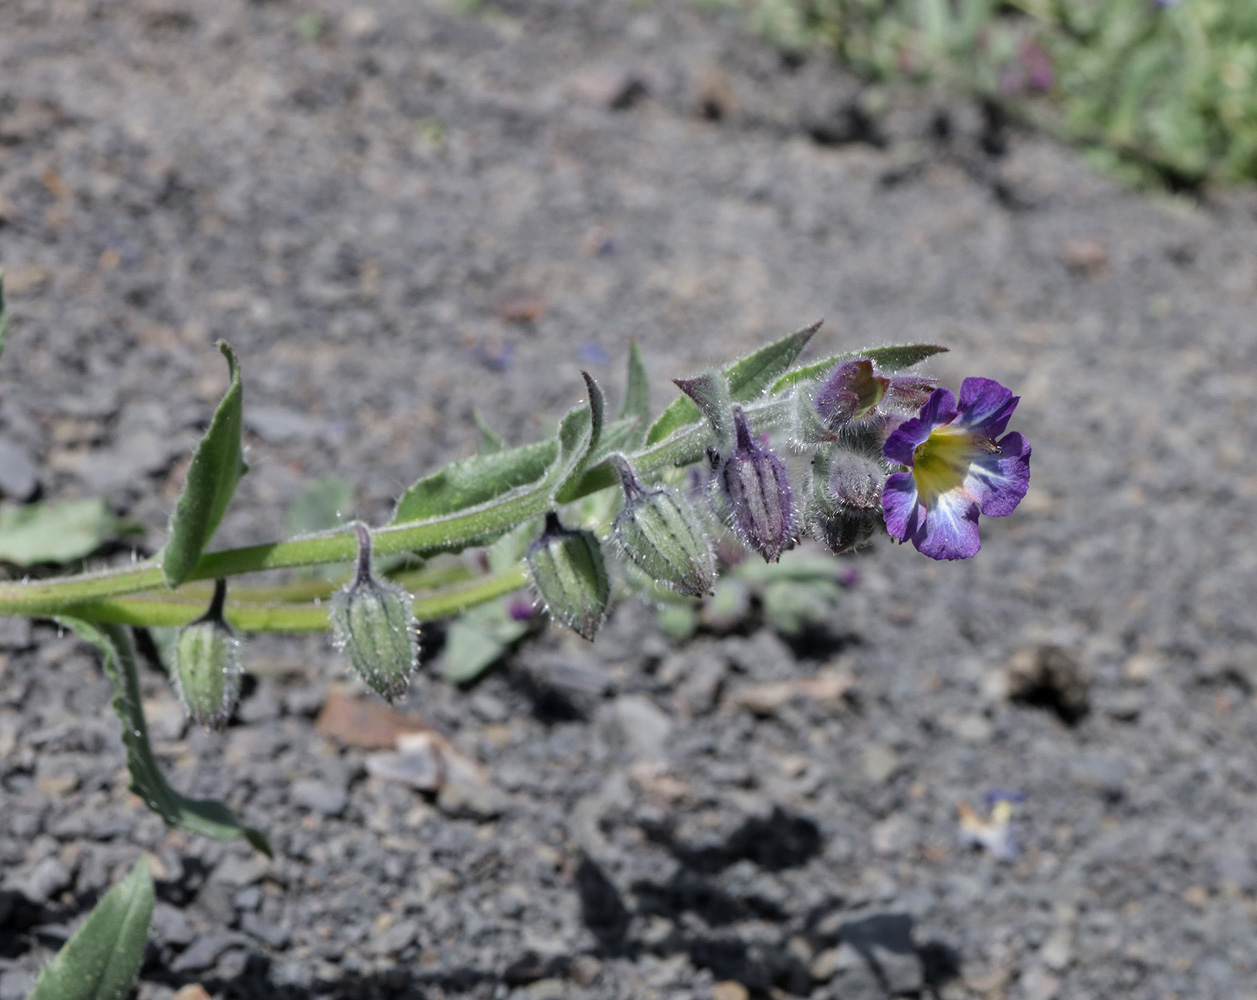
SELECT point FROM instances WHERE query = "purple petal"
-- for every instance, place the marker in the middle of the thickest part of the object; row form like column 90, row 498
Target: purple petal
column 998, row 482
column 986, row 405
column 900, row 506
column 940, row 408
column 951, row 529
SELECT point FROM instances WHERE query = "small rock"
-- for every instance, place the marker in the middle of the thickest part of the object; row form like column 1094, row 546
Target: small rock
column 202, row 954
column 463, row 799
column 238, row 871
column 18, row 474
column 280, row 425
column 271, row 932
column 360, row 722
column 645, row 726
column 1057, row 951
column 829, row 687
column 319, row 796
column 361, row 23
column 729, row 989
column 1088, row 258
column 547, row 989
column 48, row 879
column 1126, row 706
column 1140, row 668
column 584, row 970
column 880, row 763
column 15, row 984
column 419, row 768
column 193, row 991
column 16, row 633
column 1039, row 984
column 170, row 925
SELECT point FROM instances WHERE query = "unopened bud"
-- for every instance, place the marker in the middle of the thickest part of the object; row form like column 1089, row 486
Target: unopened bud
column 756, row 488
column 570, row 575
column 849, row 392
column 374, row 622
column 659, row 532
column 845, row 507
column 206, row 670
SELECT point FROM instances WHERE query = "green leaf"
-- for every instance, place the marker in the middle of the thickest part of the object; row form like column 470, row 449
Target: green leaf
column 579, row 435
column 474, row 481
column 636, row 396
column 479, row 638
column 212, row 477
column 201, row 816
column 888, row 359
column 490, row 440
column 57, row 532
column 4, row 315
column 101, row 960
column 320, row 505
column 748, row 378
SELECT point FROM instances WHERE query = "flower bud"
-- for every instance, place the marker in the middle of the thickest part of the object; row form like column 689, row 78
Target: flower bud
column 569, row 572
column 849, row 392
column 659, row 532
column 756, row 488
column 845, row 506
column 374, row 622
column 206, row 669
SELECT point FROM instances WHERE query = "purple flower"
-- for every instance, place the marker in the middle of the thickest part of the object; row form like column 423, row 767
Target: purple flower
column 756, row 488
column 956, row 469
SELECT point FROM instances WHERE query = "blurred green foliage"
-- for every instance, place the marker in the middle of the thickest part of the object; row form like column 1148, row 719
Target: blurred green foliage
column 1165, row 91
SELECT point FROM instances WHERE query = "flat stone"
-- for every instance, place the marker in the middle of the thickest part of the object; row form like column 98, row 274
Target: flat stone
column 880, row 763
column 15, row 984
column 18, row 474
column 319, row 796
column 645, row 726
column 49, row 878
column 202, row 954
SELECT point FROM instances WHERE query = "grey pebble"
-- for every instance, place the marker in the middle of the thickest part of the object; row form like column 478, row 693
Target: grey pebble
column 170, row 925
column 202, row 953
column 319, row 796
column 49, row 878
column 273, row 933
column 18, row 474
column 15, row 984
column 645, row 726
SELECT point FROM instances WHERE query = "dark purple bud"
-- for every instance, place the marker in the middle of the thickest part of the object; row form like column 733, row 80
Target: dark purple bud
column 850, row 392
column 756, row 489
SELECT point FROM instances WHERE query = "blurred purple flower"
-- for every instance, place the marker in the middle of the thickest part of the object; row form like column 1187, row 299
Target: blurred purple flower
column 956, row 469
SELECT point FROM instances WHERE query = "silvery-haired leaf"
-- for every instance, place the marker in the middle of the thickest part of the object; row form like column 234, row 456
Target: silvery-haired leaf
column 4, row 315
column 490, row 440
column 889, row 359
column 579, row 435
column 205, row 817
column 474, row 481
column 636, row 396
column 216, row 468
column 57, row 532
column 101, row 960
column 478, row 638
column 748, row 378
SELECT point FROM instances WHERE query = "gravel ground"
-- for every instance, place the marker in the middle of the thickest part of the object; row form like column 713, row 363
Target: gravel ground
column 398, row 212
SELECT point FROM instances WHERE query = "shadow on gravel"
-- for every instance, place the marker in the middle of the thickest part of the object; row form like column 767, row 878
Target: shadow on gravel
column 775, row 842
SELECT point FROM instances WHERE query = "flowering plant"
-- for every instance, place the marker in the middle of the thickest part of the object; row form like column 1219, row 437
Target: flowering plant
column 836, row 448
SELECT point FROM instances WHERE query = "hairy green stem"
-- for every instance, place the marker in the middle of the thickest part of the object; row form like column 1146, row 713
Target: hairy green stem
column 93, row 595
column 169, row 610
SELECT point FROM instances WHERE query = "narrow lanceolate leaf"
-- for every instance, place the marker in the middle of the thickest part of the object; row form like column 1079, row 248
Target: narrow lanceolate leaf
column 201, row 816
column 212, row 477
column 4, row 316
column 889, row 359
column 101, row 960
column 636, row 396
column 748, row 378
column 579, row 435
column 474, row 481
